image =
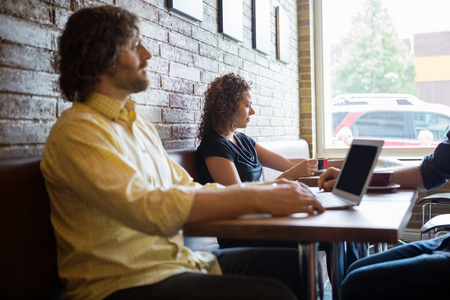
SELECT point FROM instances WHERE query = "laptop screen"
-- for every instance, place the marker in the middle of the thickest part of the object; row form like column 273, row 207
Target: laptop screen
column 357, row 167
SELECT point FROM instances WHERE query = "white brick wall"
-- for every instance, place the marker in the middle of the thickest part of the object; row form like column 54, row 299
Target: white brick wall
column 187, row 55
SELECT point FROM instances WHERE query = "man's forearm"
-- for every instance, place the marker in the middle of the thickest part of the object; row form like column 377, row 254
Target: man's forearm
column 276, row 198
column 214, row 204
column 410, row 177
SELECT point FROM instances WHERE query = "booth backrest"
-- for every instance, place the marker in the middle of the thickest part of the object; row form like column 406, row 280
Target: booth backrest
column 28, row 267
column 28, row 250
column 296, row 149
column 299, row 149
column 186, row 158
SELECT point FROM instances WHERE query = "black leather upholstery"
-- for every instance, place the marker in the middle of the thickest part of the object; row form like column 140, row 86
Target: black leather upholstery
column 28, row 250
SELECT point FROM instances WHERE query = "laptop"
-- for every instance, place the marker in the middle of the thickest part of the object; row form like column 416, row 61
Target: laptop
column 354, row 177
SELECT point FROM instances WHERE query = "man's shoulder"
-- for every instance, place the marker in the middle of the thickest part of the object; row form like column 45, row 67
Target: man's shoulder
column 79, row 118
column 76, row 110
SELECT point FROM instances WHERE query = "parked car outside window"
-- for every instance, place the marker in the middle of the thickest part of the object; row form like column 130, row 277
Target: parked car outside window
column 401, row 120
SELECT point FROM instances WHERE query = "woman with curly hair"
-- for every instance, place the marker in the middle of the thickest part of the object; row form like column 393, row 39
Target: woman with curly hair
column 227, row 156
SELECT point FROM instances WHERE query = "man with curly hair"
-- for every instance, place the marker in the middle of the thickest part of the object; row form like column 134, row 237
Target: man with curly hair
column 119, row 203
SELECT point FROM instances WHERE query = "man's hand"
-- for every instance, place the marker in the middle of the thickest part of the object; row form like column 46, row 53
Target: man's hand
column 328, row 179
column 284, row 197
column 278, row 198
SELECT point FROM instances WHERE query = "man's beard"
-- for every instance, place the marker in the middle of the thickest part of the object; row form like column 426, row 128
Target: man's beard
column 130, row 81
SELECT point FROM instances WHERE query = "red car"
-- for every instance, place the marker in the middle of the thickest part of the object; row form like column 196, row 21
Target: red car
column 401, row 120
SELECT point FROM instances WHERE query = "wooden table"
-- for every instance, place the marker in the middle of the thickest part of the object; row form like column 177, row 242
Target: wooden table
column 311, row 181
column 380, row 217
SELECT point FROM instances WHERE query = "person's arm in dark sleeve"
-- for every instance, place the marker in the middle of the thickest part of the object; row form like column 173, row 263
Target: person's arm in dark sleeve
column 435, row 168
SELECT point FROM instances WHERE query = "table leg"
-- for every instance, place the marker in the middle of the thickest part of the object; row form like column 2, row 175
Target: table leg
column 336, row 277
column 310, row 253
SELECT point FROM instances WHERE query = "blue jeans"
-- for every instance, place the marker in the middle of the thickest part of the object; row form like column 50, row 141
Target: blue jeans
column 419, row 270
column 248, row 273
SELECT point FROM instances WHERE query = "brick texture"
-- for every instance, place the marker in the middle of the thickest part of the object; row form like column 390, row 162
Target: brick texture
column 306, row 76
column 187, row 55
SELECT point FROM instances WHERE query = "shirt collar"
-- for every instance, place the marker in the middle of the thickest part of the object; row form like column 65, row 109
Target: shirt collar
column 111, row 108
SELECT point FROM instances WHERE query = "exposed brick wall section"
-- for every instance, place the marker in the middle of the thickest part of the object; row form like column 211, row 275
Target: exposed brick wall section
column 187, row 55
column 306, row 73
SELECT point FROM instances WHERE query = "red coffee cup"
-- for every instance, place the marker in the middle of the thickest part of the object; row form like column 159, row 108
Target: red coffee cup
column 322, row 163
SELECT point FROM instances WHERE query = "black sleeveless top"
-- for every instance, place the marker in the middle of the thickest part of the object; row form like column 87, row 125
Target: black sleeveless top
column 242, row 154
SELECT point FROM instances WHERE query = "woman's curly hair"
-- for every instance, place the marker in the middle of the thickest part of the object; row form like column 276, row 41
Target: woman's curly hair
column 89, row 46
column 221, row 106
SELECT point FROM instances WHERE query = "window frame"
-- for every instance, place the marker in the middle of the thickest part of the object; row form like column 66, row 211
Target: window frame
column 404, row 153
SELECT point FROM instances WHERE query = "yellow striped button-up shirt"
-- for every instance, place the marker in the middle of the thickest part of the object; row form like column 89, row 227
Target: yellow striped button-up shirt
column 118, row 203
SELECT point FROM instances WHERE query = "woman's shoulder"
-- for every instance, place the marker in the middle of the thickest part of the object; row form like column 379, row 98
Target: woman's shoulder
column 212, row 134
column 213, row 144
column 212, row 138
column 243, row 137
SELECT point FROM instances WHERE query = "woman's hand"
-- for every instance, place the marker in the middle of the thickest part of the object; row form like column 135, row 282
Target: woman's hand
column 328, row 179
column 304, row 168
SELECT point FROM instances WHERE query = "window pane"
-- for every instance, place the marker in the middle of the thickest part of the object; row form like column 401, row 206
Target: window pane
column 380, row 124
column 430, row 127
column 385, row 71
